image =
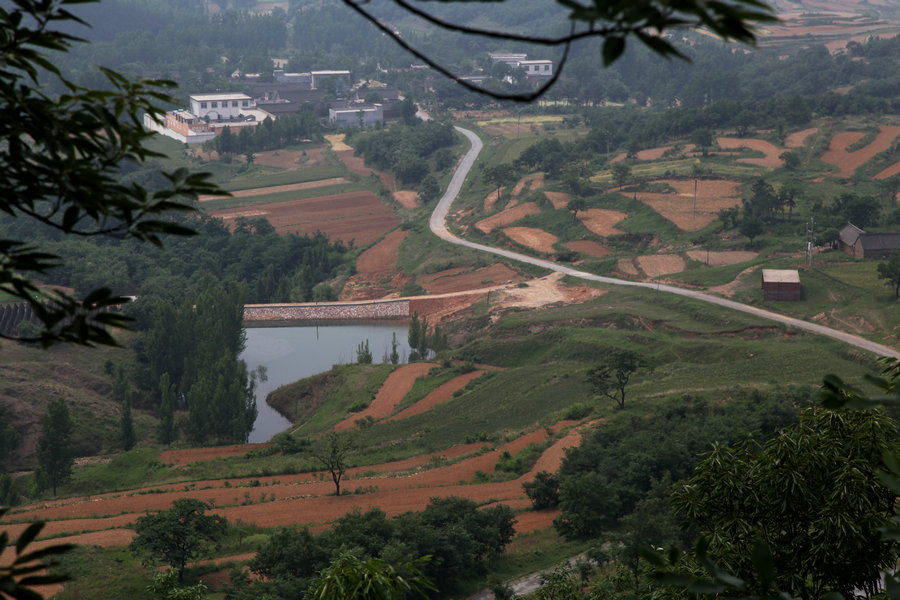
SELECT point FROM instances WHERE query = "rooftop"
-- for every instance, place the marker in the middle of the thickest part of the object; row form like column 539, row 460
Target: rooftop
column 781, row 276
column 214, row 97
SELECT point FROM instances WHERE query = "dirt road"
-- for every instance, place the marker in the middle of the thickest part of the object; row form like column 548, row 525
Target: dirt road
column 437, row 222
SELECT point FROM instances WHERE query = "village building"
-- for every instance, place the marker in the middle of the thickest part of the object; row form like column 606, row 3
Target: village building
column 359, row 115
column 207, row 116
column 532, row 68
column 857, row 243
column 781, row 284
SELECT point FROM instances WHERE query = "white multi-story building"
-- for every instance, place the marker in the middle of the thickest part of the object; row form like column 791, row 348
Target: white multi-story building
column 221, row 106
column 537, row 68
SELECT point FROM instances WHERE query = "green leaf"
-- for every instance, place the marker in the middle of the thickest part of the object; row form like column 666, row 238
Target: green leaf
column 613, row 47
column 764, row 564
column 28, row 536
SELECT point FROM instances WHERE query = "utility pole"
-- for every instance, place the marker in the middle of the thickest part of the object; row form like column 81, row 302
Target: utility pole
column 810, row 240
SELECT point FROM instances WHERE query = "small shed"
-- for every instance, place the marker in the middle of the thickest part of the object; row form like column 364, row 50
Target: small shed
column 781, row 284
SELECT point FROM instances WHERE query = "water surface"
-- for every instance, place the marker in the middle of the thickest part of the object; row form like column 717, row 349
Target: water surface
column 294, row 352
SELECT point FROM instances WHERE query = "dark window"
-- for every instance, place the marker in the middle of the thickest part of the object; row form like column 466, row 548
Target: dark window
column 203, row 105
column 214, row 104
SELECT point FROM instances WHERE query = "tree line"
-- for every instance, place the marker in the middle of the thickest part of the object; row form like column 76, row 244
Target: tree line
column 413, row 151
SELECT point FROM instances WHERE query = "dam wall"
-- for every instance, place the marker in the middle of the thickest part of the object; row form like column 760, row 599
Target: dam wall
column 327, row 311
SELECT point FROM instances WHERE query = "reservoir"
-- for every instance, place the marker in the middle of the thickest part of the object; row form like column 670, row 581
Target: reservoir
column 295, row 351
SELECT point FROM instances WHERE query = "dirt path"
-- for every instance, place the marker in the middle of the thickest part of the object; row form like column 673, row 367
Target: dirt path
column 389, row 395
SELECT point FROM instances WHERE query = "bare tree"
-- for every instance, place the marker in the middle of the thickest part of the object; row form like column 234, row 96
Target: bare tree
column 332, row 452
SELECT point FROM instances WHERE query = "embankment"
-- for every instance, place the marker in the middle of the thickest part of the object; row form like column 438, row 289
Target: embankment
column 330, row 311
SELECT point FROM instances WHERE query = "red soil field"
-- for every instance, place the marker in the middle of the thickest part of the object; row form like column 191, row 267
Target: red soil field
column 602, row 221
column 722, row 258
column 277, row 189
column 445, row 308
column 189, row 455
column 491, row 199
column 389, row 395
column 382, row 257
column 358, row 216
column 459, row 280
column 530, row 237
column 771, row 151
column 407, row 199
column 589, row 248
column 660, row 264
column 558, row 199
column 652, row 153
column 848, row 162
column 889, row 172
column 307, row 499
column 800, row 139
column 442, row 394
column 712, row 196
column 535, row 181
column 506, row 217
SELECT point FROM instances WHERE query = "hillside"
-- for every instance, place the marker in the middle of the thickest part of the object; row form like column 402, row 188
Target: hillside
column 692, row 178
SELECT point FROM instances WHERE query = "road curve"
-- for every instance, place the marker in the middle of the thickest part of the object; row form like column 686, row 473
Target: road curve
column 437, row 222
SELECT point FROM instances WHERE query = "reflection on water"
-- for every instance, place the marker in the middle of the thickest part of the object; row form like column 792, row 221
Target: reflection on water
column 294, row 352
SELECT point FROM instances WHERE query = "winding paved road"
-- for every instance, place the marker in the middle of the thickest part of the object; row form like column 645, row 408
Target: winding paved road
column 438, row 226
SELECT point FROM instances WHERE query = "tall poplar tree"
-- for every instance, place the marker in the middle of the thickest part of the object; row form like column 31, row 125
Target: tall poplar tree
column 166, row 432
column 54, row 451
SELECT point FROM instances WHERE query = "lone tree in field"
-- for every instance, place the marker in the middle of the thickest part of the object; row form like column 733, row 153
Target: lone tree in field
column 54, row 450
column 576, row 205
column 889, row 270
column 178, row 535
column 610, row 377
column 332, row 452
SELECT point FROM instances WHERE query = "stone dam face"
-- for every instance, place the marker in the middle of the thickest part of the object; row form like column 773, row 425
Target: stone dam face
column 330, row 311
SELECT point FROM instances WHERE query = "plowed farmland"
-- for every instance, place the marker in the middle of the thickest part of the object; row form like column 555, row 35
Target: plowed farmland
column 358, row 216
column 848, row 162
column 532, row 238
column 506, row 217
column 688, row 213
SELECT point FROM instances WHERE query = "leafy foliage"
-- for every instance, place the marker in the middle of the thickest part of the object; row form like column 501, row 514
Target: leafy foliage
column 613, row 22
column 179, row 534
column 889, row 270
column 60, row 159
column 349, row 577
column 615, row 467
column 611, row 376
column 54, row 451
column 811, row 493
column 404, row 149
column 24, row 572
column 332, row 453
column 456, row 535
column 543, row 491
column 192, row 350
